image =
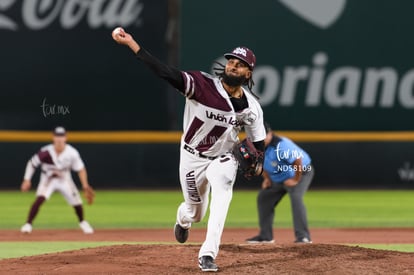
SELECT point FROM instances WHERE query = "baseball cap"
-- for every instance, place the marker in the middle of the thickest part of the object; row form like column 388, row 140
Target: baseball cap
column 244, row 54
column 59, row 131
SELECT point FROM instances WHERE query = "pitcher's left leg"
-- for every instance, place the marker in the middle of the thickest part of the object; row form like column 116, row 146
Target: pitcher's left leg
column 221, row 174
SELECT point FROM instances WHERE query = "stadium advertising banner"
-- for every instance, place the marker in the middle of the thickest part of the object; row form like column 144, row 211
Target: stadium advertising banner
column 321, row 64
column 336, row 67
column 59, row 65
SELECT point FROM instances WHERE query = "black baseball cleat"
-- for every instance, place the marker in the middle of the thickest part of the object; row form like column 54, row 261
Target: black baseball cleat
column 206, row 263
column 259, row 239
column 181, row 234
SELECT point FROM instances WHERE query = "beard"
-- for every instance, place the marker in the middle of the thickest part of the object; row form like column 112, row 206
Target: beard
column 233, row 81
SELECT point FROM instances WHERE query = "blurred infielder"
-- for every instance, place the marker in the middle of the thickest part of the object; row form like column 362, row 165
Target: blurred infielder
column 216, row 109
column 56, row 161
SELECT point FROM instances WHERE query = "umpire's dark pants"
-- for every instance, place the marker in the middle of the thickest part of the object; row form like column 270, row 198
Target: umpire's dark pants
column 269, row 198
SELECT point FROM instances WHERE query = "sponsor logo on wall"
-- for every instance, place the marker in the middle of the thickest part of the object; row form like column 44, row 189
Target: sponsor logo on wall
column 347, row 86
column 40, row 14
column 320, row 13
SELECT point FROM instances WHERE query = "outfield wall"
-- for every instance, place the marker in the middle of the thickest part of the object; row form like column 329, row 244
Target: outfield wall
column 335, row 67
column 150, row 159
column 60, row 65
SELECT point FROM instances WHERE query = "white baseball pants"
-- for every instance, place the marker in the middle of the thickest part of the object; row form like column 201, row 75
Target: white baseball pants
column 66, row 187
column 197, row 176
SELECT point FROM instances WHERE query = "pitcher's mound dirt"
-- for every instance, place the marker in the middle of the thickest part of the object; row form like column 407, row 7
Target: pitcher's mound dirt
column 235, row 256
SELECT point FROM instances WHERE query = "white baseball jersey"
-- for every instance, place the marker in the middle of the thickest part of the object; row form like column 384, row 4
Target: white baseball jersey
column 58, row 166
column 211, row 126
column 56, row 172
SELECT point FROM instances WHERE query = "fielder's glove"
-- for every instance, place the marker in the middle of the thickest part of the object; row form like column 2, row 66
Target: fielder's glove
column 249, row 158
column 89, row 194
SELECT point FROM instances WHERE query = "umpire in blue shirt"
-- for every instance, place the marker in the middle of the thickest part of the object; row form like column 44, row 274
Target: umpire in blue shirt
column 287, row 169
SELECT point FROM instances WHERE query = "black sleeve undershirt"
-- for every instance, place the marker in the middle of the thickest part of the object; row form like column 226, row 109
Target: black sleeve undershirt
column 170, row 74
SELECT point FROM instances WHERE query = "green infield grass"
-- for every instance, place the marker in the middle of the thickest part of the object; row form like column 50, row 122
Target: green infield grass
column 157, row 209
column 22, row 249
column 395, row 247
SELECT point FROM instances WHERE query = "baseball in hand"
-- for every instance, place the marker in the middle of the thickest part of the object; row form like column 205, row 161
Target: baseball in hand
column 117, row 31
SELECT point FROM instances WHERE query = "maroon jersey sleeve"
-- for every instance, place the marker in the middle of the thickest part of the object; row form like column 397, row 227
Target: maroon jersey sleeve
column 202, row 88
column 45, row 157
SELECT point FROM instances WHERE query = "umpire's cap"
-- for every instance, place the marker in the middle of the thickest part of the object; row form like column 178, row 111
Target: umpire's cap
column 244, row 54
column 59, row 131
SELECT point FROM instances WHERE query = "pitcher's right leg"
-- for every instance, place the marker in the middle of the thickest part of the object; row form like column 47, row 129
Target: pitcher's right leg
column 195, row 188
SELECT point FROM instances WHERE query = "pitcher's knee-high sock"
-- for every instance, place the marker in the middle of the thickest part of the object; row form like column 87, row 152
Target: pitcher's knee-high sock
column 79, row 212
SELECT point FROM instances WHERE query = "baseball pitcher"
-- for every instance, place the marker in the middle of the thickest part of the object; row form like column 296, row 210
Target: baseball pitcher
column 216, row 109
column 56, row 161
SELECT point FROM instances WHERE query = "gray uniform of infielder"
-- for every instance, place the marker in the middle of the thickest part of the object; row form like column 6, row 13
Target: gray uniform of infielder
column 216, row 109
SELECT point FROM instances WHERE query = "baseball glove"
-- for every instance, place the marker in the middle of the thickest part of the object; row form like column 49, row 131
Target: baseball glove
column 250, row 160
column 89, row 194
